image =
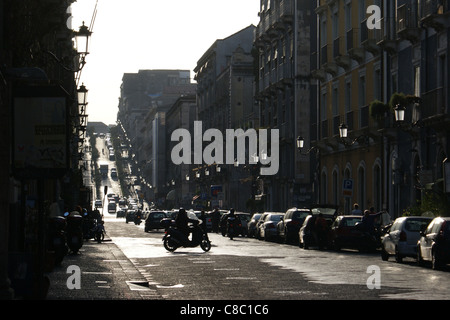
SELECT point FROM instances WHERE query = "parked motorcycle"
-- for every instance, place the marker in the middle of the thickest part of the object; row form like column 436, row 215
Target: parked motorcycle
column 174, row 238
column 99, row 232
column 57, row 238
column 74, row 233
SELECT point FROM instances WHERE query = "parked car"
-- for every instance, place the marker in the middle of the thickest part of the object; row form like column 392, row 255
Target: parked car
column 268, row 228
column 348, row 232
column 251, row 226
column 290, row 224
column 401, row 238
column 434, row 243
column 307, row 233
column 153, row 220
column 259, row 223
column 245, row 219
column 130, row 216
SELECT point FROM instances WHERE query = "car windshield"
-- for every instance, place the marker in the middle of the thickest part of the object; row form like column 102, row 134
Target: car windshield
column 256, row 217
column 157, row 215
column 415, row 225
column 324, row 211
column 350, row 222
column 244, row 217
column 300, row 215
column 275, row 217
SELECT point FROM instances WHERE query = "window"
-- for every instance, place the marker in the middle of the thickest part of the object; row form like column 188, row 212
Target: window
column 348, row 16
column 348, row 96
column 362, row 91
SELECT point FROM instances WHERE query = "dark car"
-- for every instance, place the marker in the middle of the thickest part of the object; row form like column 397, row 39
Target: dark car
column 129, row 216
column 290, row 224
column 251, row 226
column 153, row 220
column 308, row 236
column 434, row 243
column 349, row 232
column 268, row 228
column 121, row 214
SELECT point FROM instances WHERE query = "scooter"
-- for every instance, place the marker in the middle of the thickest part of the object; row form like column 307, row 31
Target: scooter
column 174, row 238
column 137, row 219
column 57, row 238
column 231, row 224
column 74, row 233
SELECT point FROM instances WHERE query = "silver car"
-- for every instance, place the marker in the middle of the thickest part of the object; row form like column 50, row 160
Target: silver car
column 401, row 239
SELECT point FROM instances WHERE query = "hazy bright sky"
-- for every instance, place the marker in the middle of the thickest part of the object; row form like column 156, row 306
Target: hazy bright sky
column 130, row 35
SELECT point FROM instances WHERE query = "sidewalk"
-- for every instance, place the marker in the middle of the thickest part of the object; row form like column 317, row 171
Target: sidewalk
column 105, row 274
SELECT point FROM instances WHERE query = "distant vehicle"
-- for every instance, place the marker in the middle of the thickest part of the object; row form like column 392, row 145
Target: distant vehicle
column 122, row 203
column 104, row 168
column 112, row 207
column 129, row 216
column 121, row 214
column 98, row 203
column 153, row 220
column 290, row 224
column 251, row 226
column 113, row 173
column 268, row 229
column 112, row 156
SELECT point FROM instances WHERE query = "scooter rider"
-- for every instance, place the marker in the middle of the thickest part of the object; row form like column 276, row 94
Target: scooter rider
column 181, row 222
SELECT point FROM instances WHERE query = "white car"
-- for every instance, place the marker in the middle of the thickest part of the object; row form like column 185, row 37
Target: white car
column 401, row 239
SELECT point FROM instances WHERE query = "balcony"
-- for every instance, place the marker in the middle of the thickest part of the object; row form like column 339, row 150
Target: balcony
column 342, row 60
column 387, row 38
column 369, row 38
column 407, row 25
column 287, row 11
column 435, row 13
column 355, row 51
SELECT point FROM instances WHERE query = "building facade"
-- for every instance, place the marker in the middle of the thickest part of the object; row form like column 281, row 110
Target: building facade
column 225, row 100
column 285, row 39
column 364, row 74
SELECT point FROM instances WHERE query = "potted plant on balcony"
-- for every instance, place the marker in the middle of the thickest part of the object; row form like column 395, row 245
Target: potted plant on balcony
column 378, row 110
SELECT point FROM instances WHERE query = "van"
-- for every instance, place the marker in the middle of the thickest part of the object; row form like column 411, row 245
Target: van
column 112, row 207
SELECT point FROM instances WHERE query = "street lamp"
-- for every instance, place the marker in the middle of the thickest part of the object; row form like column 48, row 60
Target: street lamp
column 343, row 131
column 82, row 42
column 343, row 134
column 82, row 97
column 300, row 143
column 399, row 111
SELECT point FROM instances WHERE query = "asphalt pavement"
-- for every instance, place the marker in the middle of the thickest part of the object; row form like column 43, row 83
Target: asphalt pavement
column 99, row 271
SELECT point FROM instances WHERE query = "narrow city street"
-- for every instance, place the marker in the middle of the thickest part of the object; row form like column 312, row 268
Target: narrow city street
column 251, row 269
column 247, row 268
